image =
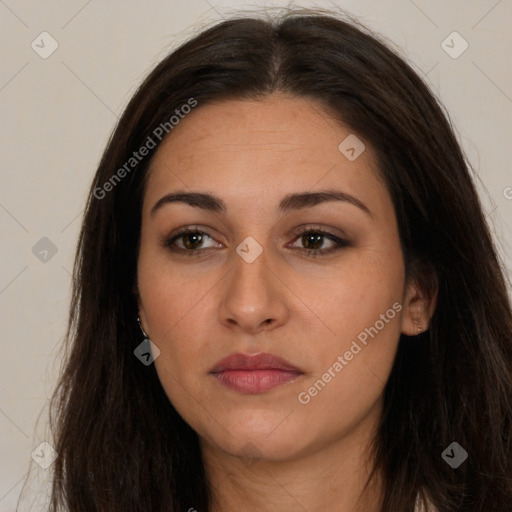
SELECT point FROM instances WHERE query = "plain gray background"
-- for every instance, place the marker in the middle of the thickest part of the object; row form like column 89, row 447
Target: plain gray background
column 58, row 112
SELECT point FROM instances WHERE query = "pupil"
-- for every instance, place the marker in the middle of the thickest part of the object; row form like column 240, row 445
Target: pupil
column 197, row 236
column 315, row 239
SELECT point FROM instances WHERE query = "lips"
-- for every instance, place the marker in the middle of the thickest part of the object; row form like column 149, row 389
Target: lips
column 261, row 361
column 252, row 374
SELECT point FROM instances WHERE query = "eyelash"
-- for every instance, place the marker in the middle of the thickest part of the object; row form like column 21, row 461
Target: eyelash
column 312, row 253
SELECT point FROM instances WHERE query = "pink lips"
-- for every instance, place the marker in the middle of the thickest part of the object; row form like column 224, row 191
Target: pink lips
column 254, row 374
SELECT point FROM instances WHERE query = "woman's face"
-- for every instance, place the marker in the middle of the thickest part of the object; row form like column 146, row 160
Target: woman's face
column 244, row 281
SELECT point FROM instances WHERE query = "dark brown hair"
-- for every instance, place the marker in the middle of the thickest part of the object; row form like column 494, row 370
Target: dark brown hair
column 122, row 446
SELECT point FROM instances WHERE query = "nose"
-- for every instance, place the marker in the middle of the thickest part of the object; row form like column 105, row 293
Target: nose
column 254, row 298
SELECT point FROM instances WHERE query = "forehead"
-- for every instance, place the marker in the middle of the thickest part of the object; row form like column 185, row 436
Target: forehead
column 258, row 148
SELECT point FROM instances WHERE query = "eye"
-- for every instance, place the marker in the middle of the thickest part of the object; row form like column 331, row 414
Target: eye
column 188, row 241
column 313, row 239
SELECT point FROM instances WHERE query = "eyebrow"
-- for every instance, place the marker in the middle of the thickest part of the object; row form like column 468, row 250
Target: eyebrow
column 296, row 201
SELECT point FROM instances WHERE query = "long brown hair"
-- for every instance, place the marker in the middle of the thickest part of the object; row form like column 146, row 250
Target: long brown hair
column 122, row 446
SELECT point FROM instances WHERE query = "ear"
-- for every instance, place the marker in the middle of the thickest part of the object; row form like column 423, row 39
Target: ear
column 419, row 306
column 142, row 316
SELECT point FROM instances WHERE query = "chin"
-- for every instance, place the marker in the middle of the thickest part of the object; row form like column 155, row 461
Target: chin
column 277, row 449
column 260, row 436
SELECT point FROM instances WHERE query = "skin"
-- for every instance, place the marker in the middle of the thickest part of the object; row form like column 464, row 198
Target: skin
column 269, row 451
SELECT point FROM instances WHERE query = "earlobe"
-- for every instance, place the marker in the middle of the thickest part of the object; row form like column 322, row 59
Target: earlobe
column 139, row 321
column 141, row 318
column 418, row 310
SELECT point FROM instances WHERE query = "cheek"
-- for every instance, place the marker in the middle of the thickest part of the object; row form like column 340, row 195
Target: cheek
column 177, row 316
column 180, row 311
column 362, row 310
column 177, row 313
column 351, row 366
column 368, row 283
column 170, row 292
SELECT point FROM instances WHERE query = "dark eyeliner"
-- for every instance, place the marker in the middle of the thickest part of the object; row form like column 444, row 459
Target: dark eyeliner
column 167, row 242
column 312, row 253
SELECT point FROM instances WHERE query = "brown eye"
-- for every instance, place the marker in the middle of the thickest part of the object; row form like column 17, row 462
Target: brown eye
column 192, row 240
column 312, row 240
column 188, row 241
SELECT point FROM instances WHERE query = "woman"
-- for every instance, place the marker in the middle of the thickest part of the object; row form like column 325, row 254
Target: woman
column 286, row 214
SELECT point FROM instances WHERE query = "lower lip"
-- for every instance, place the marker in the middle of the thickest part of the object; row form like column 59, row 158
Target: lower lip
column 255, row 381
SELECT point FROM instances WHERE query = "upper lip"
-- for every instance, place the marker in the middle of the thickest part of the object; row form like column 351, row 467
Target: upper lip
column 261, row 361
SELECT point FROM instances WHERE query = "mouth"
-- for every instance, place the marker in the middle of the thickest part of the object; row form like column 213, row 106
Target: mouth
column 253, row 374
